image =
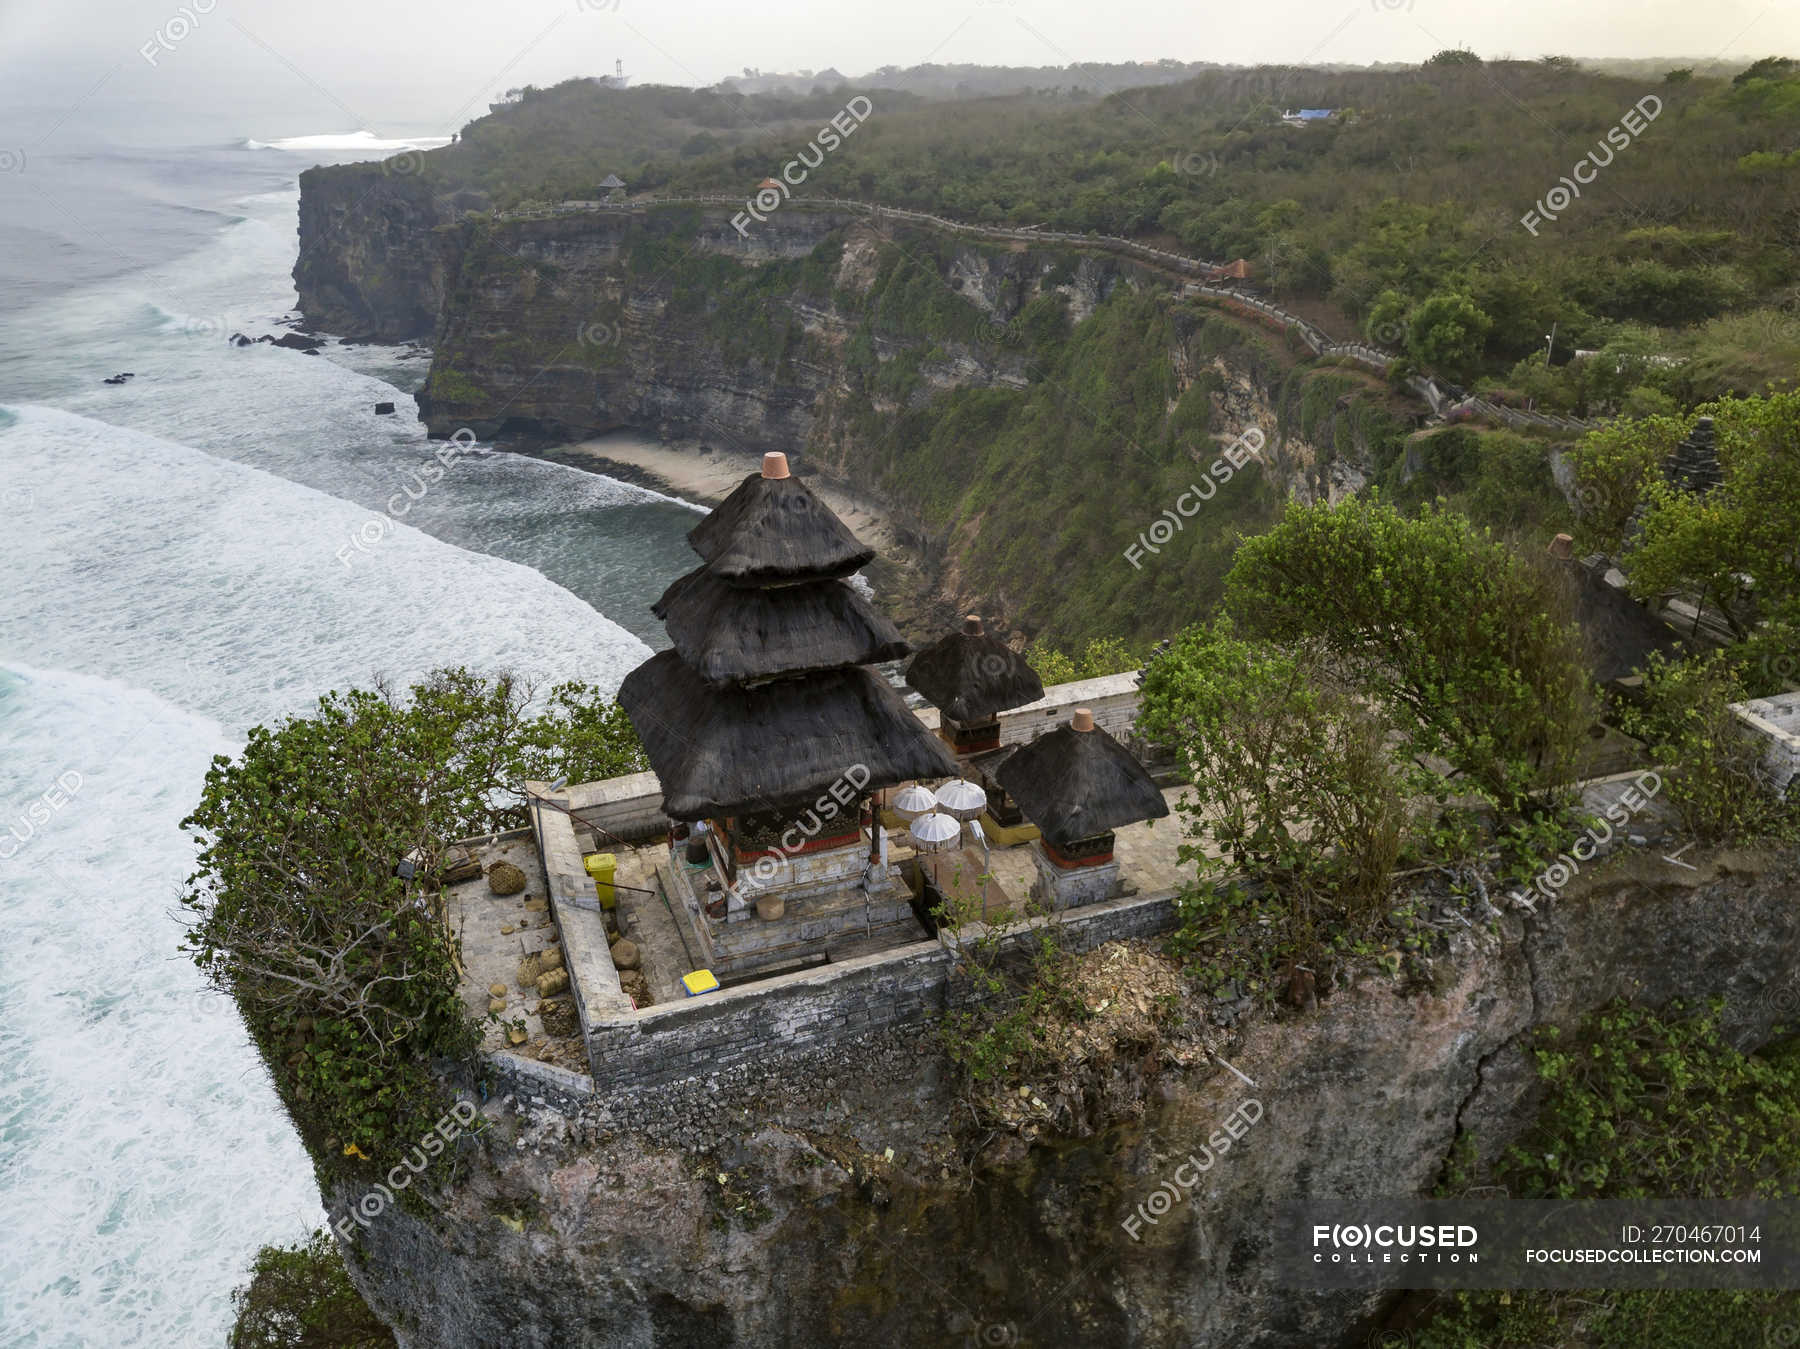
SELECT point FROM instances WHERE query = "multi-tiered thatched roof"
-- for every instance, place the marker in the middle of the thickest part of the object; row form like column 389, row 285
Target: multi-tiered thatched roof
column 1077, row 781
column 970, row 677
column 764, row 702
column 732, row 633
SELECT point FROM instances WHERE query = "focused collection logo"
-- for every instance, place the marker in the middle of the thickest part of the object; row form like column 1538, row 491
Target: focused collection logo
column 1394, row 1244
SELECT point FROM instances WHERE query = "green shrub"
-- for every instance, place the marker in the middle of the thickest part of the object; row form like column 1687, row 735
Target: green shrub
column 300, row 1297
column 1469, row 649
column 1292, row 780
column 1640, row 1104
column 343, row 970
column 1710, row 760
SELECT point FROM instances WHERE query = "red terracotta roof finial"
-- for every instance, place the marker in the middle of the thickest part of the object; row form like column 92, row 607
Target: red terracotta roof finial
column 775, row 465
column 1083, row 720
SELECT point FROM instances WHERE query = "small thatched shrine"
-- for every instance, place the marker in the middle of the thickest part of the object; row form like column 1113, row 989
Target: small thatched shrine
column 767, row 731
column 1078, row 785
column 971, row 679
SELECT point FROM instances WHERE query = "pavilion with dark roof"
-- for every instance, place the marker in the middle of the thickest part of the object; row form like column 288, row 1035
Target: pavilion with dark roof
column 764, row 722
column 971, row 679
column 1077, row 785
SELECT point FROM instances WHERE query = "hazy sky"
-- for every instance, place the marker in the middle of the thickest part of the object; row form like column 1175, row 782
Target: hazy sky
column 269, row 68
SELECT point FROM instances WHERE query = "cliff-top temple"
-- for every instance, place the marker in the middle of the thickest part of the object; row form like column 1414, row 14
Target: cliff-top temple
column 767, row 731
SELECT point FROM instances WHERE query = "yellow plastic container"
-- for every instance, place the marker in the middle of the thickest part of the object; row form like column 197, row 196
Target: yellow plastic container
column 600, row 867
column 700, row 981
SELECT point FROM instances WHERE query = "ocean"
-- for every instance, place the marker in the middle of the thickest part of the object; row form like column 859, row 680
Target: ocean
column 205, row 547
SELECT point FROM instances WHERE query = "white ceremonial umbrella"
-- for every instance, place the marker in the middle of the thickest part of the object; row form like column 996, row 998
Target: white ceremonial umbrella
column 961, row 798
column 965, row 800
column 934, row 830
column 911, row 802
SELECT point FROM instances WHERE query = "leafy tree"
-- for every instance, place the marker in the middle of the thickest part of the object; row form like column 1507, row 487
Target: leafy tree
column 1768, row 68
column 1447, row 333
column 1469, row 648
column 344, row 970
column 1453, row 56
column 301, row 1297
column 1712, row 763
column 1614, row 467
column 1707, row 546
column 1290, row 773
column 1101, row 656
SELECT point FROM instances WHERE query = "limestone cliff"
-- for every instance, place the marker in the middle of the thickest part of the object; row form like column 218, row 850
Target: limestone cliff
column 847, row 1197
column 370, row 262
column 928, row 369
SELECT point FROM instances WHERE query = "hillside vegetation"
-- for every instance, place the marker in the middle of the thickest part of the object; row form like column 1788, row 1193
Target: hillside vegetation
column 1402, row 218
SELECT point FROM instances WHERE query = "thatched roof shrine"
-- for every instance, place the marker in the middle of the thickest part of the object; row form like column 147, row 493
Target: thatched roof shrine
column 1077, row 782
column 764, row 702
column 971, row 677
column 772, row 530
column 729, row 634
column 726, row 751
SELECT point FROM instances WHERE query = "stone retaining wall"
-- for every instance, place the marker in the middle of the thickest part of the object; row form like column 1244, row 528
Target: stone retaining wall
column 811, row 1008
column 1776, row 720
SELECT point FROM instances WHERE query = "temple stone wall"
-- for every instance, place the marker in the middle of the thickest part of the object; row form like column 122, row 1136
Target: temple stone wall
column 627, row 809
column 1113, row 699
column 900, row 986
column 798, row 1011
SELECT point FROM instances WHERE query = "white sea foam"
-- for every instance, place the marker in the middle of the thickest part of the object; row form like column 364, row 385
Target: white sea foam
column 173, row 576
column 351, row 141
column 226, row 589
column 143, row 1156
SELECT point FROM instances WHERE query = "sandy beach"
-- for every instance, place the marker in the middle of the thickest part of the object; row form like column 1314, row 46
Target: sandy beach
column 708, row 478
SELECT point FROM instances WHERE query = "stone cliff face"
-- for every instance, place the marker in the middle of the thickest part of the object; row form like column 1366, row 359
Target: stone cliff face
column 844, row 1198
column 851, row 342
column 370, row 262
column 669, row 322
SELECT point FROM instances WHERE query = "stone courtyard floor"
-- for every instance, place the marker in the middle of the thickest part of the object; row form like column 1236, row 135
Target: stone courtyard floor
column 497, row 933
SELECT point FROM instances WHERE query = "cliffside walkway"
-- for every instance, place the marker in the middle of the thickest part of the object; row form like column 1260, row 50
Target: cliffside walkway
column 1449, row 402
